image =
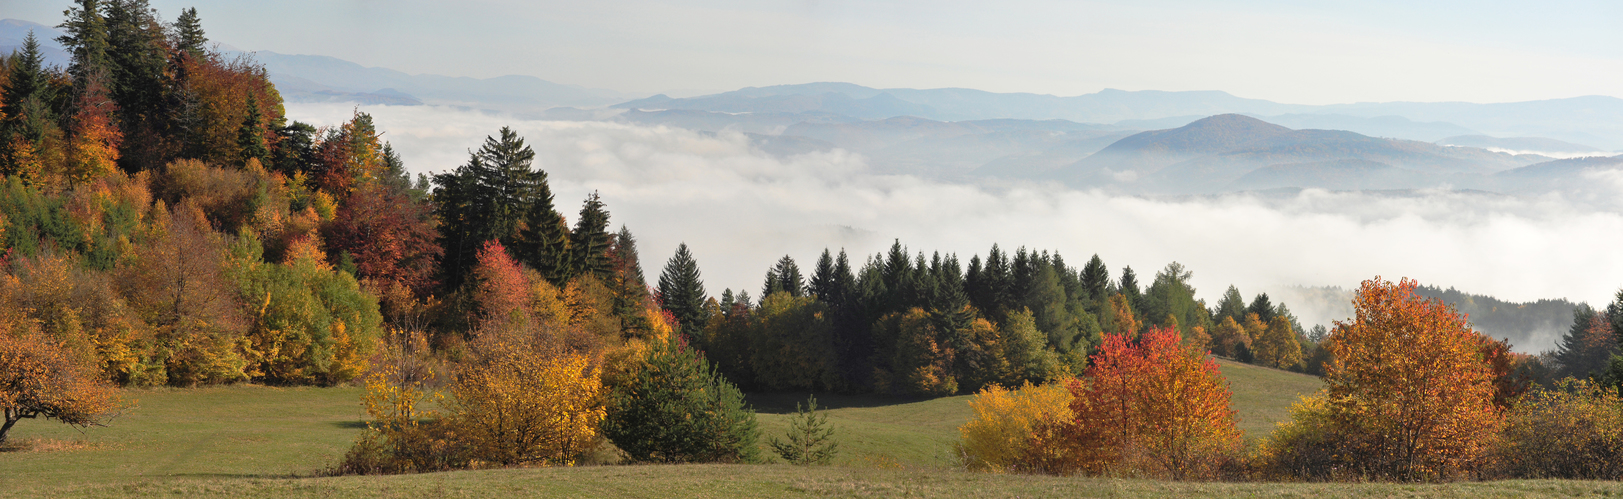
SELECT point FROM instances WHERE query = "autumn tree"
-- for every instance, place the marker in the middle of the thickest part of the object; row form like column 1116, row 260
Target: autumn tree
column 389, row 237
column 1277, row 347
column 1408, row 387
column 39, row 378
column 1153, row 407
column 1229, row 338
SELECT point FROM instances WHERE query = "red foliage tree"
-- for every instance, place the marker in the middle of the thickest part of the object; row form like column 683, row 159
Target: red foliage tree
column 1150, row 406
column 389, row 237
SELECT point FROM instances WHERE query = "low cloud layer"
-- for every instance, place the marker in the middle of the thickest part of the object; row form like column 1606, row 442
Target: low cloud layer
column 740, row 209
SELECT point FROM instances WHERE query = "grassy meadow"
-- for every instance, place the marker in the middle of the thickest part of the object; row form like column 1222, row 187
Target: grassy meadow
column 257, row 441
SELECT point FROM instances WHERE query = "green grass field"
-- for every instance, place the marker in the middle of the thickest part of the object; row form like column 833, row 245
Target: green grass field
column 263, row 441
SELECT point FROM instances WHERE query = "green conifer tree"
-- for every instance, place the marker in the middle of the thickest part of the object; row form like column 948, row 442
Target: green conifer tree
column 681, row 292
column 188, row 34
column 251, row 135
column 678, row 409
column 589, row 242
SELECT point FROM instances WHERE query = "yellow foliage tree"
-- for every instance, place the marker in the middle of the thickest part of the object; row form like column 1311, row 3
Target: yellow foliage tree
column 1277, row 347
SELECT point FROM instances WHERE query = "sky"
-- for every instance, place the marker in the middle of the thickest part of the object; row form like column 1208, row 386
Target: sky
column 1316, row 52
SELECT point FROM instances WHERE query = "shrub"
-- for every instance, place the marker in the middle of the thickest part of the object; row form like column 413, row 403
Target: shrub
column 1151, row 408
column 402, row 437
column 1000, row 437
column 517, row 405
column 1572, row 432
column 1303, row 447
column 676, row 408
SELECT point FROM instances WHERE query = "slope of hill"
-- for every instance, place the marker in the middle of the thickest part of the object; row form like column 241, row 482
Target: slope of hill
column 1212, row 153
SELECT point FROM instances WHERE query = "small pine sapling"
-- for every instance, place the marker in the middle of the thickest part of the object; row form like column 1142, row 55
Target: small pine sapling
column 810, row 437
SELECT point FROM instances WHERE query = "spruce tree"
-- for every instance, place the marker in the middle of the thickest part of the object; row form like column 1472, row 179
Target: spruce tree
column 85, row 35
column 822, row 280
column 589, row 242
column 251, row 135
column 677, row 409
column 1262, row 307
column 681, row 292
column 188, row 34
column 627, row 284
column 487, row 199
column 1096, row 284
column 1231, row 305
column 784, row 277
column 28, row 86
column 1129, row 286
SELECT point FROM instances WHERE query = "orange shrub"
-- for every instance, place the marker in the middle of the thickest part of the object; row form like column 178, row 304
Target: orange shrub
column 1150, row 407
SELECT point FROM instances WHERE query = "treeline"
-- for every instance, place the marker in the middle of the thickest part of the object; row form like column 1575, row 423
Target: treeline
column 901, row 322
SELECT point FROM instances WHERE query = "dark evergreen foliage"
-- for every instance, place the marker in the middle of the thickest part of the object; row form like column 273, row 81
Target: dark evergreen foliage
column 677, row 409
column 490, row 198
column 681, row 292
column 589, row 242
column 188, row 34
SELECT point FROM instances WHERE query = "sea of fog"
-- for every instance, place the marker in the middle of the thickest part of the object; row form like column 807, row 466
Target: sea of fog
column 740, row 209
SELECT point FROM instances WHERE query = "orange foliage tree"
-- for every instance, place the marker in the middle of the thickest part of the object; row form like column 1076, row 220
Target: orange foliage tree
column 1408, row 388
column 1152, row 407
column 39, row 378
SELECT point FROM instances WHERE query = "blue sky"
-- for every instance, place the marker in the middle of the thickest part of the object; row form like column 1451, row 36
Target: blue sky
column 1309, row 52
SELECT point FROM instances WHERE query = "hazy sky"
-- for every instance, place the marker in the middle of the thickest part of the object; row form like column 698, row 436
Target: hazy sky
column 1315, row 52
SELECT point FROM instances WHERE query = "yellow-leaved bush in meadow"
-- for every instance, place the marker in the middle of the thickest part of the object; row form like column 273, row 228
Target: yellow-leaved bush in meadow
column 517, row 405
column 1000, row 436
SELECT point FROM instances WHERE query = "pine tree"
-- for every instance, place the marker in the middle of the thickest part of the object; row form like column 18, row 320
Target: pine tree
column 589, row 242
column 810, row 437
column 1096, row 284
column 784, row 277
column 85, row 34
column 251, row 135
column 1232, row 305
column 681, row 292
column 188, row 34
column 140, row 84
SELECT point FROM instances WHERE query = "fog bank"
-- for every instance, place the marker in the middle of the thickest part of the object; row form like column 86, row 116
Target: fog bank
column 740, row 209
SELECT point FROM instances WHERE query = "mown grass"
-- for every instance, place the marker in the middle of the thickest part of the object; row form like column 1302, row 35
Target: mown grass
column 252, row 441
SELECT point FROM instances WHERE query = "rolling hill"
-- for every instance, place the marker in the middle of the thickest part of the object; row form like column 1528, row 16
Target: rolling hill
column 1215, row 154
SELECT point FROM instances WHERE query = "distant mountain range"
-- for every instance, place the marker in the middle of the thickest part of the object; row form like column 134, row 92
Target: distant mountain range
column 1593, row 120
column 1196, row 142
